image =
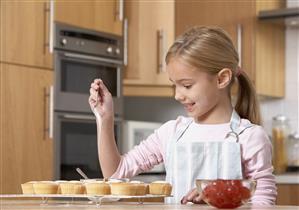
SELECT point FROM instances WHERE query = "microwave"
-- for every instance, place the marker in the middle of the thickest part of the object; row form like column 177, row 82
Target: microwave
column 136, row 131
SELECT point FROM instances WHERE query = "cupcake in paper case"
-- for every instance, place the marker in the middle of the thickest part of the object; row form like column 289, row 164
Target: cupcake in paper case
column 72, row 187
column 127, row 188
column 45, row 187
column 27, row 188
column 160, row 188
column 97, row 188
column 59, row 182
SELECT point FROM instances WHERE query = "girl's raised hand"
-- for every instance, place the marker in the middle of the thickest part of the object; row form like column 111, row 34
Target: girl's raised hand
column 100, row 99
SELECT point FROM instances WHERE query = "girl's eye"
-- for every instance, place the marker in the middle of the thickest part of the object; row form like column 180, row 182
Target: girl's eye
column 187, row 86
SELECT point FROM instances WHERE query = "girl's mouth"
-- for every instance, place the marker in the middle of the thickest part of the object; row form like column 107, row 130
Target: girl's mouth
column 189, row 107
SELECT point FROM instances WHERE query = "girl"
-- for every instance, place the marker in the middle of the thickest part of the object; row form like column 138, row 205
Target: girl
column 203, row 65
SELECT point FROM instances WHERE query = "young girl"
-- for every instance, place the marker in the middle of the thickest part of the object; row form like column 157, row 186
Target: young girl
column 202, row 64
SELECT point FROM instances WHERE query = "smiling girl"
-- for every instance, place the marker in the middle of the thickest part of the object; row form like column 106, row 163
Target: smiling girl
column 202, row 64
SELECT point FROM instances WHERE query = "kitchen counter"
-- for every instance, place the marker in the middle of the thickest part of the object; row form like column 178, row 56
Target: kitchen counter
column 287, row 178
column 54, row 205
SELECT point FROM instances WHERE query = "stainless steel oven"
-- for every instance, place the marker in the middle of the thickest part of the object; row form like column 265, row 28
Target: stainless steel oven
column 80, row 56
column 77, row 145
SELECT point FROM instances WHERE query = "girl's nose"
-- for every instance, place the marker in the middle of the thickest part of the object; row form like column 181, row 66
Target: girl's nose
column 178, row 96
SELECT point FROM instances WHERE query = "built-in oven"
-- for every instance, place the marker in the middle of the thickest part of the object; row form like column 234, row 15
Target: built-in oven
column 80, row 56
column 77, row 145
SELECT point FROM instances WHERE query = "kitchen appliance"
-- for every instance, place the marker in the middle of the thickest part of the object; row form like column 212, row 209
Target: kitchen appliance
column 76, row 145
column 81, row 55
column 136, row 131
column 289, row 16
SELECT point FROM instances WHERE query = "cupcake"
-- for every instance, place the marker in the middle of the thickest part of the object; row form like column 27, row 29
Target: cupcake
column 45, row 187
column 72, row 187
column 27, row 188
column 160, row 188
column 128, row 188
column 59, row 182
column 97, row 188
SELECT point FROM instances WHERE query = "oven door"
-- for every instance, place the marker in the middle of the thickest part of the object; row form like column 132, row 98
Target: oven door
column 76, row 145
column 74, row 74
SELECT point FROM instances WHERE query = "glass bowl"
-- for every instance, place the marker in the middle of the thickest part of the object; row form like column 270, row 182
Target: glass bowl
column 222, row 194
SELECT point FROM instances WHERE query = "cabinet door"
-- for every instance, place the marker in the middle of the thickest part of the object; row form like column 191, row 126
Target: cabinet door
column 150, row 34
column 26, row 150
column 287, row 194
column 24, row 33
column 92, row 14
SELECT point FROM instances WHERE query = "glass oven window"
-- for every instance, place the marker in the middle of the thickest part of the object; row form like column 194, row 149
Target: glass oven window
column 77, row 76
column 79, row 149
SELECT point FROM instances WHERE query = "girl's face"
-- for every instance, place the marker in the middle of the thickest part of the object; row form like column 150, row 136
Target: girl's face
column 196, row 90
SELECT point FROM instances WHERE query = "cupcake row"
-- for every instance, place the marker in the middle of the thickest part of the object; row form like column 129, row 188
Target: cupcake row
column 133, row 188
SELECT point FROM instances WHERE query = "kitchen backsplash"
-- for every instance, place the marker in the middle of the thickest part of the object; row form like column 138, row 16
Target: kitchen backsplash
column 164, row 109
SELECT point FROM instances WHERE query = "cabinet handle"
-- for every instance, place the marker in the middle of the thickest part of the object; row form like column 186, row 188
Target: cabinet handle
column 49, row 93
column 125, row 42
column 121, row 10
column 50, row 10
column 239, row 42
column 161, row 51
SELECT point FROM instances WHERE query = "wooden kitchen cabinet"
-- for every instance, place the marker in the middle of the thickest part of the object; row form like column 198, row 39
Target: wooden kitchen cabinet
column 26, row 150
column 24, row 33
column 150, row 34
column 262, row 45
column 91, row 14
column 287, row 194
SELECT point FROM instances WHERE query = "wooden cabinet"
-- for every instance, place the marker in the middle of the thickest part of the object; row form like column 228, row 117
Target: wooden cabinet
column 26, row 150
column 261, row 45
column 287, row 194
column 150, row 33
column 91, row 14
column 24, row 33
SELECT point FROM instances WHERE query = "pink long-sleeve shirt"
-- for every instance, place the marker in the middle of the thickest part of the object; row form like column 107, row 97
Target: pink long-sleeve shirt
column 255, row 146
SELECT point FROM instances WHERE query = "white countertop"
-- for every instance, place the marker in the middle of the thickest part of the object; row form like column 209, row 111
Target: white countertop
column 287, row 178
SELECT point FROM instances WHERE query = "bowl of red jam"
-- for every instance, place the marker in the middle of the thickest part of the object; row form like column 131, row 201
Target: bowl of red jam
column 227, row 194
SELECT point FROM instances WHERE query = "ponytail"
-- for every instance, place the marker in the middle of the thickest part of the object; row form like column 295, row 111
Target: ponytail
column 247, row 105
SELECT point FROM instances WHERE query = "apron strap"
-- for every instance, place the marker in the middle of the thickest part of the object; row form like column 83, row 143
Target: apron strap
column 235, row 125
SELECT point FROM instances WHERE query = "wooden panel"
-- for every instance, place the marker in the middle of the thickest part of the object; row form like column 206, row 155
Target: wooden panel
column 26, row 151
column 141, row 90
column 24, row 33
column 270, row 53
column 288, row 194
column 146, row 18
column 92, row 14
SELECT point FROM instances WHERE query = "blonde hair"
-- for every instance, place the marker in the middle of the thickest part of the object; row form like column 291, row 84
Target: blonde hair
column 211, row 49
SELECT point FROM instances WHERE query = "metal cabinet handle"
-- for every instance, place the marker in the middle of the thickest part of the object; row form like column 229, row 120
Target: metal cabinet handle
column 125, row 42
column 49, row 93
column 121, row 10
column 161, row 51
column 239, row 42
column 51, row 26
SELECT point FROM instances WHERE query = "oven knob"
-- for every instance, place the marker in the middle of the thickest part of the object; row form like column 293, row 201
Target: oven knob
column 109, row 50
column 63, row 41
column 117, row 51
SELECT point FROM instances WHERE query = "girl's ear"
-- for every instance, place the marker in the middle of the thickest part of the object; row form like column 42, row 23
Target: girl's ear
column 224, row 78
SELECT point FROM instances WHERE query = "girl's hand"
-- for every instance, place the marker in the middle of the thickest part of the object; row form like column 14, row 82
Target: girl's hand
column 100, row 99
column 192, row 196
